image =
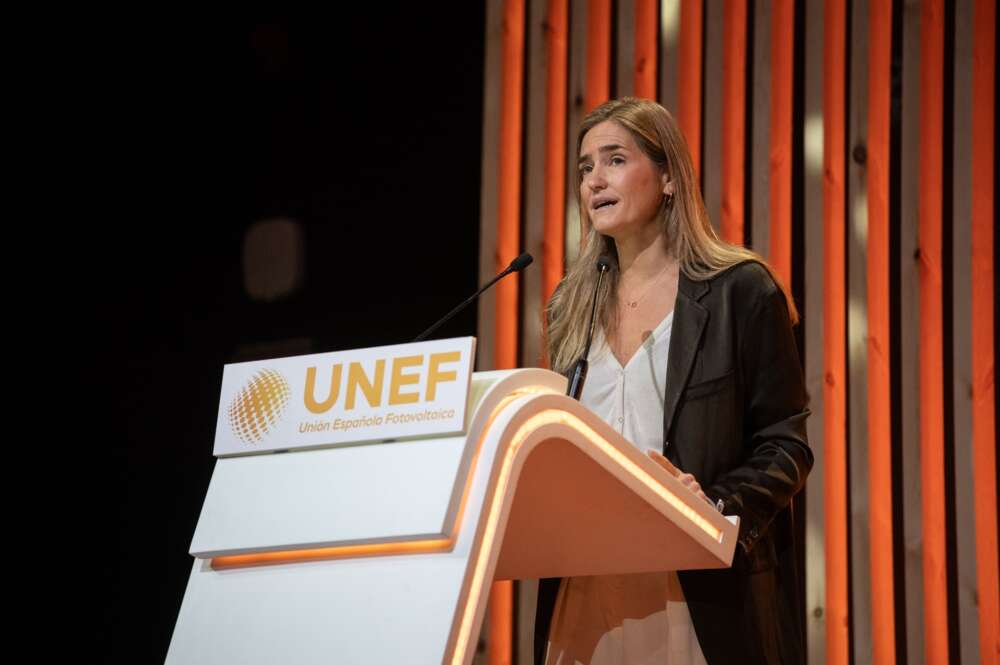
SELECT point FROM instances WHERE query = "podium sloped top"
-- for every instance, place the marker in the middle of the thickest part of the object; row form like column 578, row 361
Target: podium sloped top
column 581, row 500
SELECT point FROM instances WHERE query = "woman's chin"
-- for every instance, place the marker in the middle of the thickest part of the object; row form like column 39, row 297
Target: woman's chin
column 610, row 228
column 618, row 231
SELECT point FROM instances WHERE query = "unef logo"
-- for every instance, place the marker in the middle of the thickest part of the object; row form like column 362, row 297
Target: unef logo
column 404, row 375
column 258, row 405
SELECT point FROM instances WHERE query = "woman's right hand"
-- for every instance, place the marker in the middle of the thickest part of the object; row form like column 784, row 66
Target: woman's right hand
column 688, row 479
column 692, row 484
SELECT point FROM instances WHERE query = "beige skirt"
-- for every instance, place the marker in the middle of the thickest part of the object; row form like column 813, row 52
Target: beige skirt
column 635, row 619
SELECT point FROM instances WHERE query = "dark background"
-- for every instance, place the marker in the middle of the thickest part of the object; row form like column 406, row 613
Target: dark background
column 364, row 128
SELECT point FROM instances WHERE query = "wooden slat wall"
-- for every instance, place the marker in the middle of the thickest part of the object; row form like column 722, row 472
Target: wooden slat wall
column 961, row 388
column 690, row 76
column 505, row 325
column 896, row 220
column 834, row 460
column 734, row 75
column 645, row 61
column 858, row 563
column 489, row 212
column 983, row 221
column 932, row 443
column 535, row 183
column 880, row 514
column 780, row 177
column 598, row 53
column 669, row 55
column 625, row 45
column 538, row 187
column 714, row 109
column 814, row 320
column 557, row 45
column 908, row 251
column 760, row 131
column 578, row 44
column 488, row 198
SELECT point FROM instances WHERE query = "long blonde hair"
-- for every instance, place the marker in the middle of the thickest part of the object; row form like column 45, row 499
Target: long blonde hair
column 684, row 227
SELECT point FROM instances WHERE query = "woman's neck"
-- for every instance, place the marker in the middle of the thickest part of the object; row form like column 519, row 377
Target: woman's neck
column 642, row 257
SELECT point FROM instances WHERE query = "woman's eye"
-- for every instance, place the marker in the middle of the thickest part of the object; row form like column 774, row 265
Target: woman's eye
column 586, row 168
column 617, row 160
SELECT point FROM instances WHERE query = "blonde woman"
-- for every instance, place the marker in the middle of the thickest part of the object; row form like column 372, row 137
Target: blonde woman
column 693, row 359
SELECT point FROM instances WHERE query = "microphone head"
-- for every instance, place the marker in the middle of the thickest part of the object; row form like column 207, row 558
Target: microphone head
column 603, row 263
column 521, row 262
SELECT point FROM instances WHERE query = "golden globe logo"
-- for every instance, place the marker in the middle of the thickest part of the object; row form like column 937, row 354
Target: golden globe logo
column 258, row 405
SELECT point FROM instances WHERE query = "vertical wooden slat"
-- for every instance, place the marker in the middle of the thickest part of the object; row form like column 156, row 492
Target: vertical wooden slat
column 646, row 27
column 879, row 370
column 711, row 113
column 544, row 224
column 670, row 22
column 760, row 131
column 909, row 337
column 625, row 45
column 983, row 303
column 814, row 323
column 598, row 53
column 490, row 180
column 509, row 181
column 501, row 610
column 578, row 58
column 508, row 247
column 689, row 77
column 857, row 334
column 547, row 102
column 835, row 324
column 553, row 260
column 598, row 56
column 734, row 51
column 535, row 183
column 780, row 178
column 932, row 333
column 961, row 388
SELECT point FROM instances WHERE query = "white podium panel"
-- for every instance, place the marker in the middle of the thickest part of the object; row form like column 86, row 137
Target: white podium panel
column 349, row 611
column 323, row 498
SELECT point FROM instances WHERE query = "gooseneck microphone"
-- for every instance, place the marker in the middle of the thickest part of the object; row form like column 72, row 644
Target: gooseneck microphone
column 517, row 265
column 579, row 373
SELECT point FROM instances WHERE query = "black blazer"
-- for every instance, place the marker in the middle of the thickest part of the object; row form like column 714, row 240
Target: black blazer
column 734, row 415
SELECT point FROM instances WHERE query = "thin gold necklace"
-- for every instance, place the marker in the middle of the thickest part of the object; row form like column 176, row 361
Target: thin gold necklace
column 635, row 303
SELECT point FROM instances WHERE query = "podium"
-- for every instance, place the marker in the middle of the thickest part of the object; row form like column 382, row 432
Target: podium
column 384, row 552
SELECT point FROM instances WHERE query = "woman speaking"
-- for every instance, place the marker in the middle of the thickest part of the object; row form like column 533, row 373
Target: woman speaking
column 693, row 359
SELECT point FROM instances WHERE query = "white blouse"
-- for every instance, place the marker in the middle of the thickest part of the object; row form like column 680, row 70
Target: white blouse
column 630, row 398
column 625, row 619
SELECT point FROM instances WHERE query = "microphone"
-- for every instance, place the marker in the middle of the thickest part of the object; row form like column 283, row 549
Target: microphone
column 517, row 265
column 579, row 373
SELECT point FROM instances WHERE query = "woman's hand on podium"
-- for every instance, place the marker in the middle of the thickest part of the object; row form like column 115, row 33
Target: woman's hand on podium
column 687, row 479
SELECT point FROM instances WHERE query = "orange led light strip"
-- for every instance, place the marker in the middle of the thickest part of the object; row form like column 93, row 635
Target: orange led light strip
column 539, row 420
column 339, row 552
column 426, row 546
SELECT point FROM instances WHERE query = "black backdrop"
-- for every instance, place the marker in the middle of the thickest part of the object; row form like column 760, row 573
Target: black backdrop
column 365, row 128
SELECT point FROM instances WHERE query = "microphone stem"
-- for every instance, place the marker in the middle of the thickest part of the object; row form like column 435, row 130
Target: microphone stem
column 578, row 375
column 593, row 313
column 461, row 306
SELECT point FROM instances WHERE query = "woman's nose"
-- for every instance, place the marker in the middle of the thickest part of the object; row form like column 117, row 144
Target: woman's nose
column 595, row 180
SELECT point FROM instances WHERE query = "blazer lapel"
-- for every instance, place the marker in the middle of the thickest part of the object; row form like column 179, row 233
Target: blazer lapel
column 689, row 323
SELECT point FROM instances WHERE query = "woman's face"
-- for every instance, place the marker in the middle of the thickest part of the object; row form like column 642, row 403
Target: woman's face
column 620, row 188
